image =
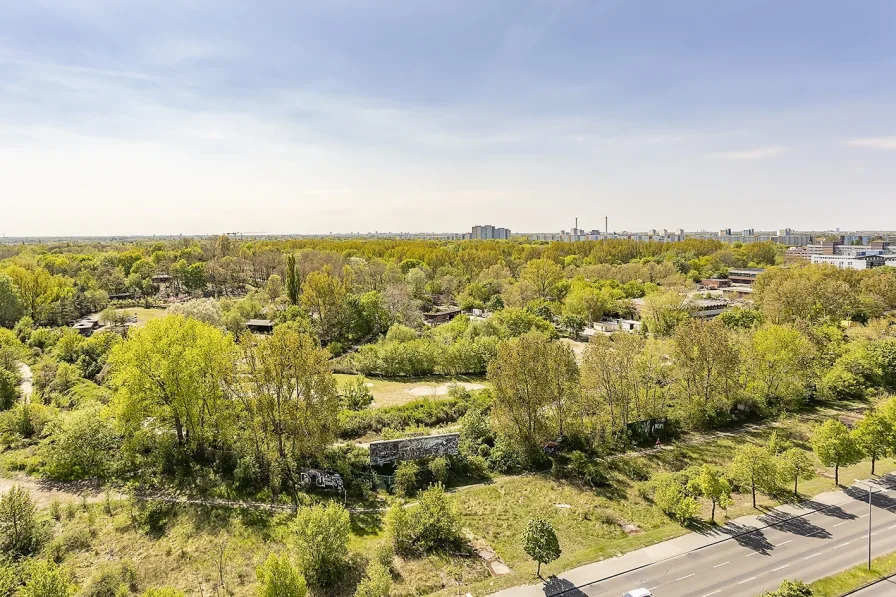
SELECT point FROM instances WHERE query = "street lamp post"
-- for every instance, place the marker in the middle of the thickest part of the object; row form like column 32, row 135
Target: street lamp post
column 869, row 520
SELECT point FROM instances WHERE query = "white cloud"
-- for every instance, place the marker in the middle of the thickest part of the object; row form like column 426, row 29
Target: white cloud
column 885, row 143
column 760, row 153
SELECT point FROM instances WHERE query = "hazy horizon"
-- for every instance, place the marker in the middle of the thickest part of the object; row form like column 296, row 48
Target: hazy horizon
column 195, row 117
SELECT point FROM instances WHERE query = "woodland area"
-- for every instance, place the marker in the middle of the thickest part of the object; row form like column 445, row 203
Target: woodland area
column 174, row 400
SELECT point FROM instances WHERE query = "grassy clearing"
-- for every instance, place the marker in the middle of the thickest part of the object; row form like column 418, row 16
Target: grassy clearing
column 391, row 392
column 838, row 584
column 143, row 315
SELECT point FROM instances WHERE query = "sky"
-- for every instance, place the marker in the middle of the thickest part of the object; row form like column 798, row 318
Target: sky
column 298, row 117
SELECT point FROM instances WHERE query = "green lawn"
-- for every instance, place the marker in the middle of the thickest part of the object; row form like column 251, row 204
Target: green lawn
column 144, row 315
column 390, row 392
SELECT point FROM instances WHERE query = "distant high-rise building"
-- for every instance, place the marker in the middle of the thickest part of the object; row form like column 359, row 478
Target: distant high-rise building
column 489, row 232
column 725, row 232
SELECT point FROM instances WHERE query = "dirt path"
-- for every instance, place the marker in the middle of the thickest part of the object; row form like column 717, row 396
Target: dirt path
column 26, row 385
column 44, row 493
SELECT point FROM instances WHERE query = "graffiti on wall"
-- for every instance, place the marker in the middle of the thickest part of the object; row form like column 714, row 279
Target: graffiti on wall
column 413, row 448
column 326, row 480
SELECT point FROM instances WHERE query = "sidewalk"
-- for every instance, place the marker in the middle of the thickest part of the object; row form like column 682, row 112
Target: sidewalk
column 605, row 569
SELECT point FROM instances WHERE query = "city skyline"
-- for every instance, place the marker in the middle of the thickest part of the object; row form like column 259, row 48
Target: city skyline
column 195, row 117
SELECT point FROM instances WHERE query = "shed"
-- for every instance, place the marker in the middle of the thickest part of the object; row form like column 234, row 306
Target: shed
column 260, row 326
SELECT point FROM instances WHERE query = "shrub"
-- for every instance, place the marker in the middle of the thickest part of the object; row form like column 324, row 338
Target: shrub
column 355, row 395
column 432, row 524
column 671, row 498
column 277, row 577
column 438, row 468
column 425, row 412
column 111, row 580
column 19, row 531
column 405, row 483
column 320, row 536
column 80, row 444
column 377, row 581
column 46, row 579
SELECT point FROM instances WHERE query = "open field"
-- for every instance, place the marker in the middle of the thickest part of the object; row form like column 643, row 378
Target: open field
column 391, row 392
column 143, row 315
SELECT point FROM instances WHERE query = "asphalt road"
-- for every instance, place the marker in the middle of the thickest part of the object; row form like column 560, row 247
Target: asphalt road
column 807, row 548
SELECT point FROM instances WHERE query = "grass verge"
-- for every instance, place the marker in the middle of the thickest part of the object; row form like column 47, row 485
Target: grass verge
column 854, row 578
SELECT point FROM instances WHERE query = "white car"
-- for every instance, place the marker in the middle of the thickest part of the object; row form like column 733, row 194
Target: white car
column 638, row 593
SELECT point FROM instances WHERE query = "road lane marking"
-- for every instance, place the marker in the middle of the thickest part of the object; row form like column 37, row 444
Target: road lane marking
column 755, row 553
column 863, row 516
column 892, row 527
column 713, row 593
column 684, row 577
column 813, row 555
column 720, row 565
column 783, row 543
column 747, row 580
column 841, row 545
column 781, row 568
column 840, row 523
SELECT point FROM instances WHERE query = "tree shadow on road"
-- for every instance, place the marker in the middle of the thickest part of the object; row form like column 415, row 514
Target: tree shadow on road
column 746, row 536
column 833, row 511
column 878, row 499
column 798, row 525
column 560, row 587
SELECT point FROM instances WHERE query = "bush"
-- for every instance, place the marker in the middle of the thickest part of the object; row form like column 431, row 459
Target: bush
column 80, row 444
column 432, row 524
column 405, row 483
column 320, row 536
column 355, row 395
column 670, row 497
column 277, row 577
column 111, row 580
column 377, row 581
column 155, row 515
column 9, row 577
column 46, row 579
column 19, row 530
column 438, row 468
column 585, row 469
column 425, row 412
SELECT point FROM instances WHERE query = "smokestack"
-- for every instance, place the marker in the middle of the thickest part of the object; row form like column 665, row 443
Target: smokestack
column 576, row 229
column 606, row 225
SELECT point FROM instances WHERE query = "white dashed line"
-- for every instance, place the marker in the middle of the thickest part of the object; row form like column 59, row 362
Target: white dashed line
column 813, row 555
column 720, row 565
column 684, row 577
column 755, row 553
column 783, row 543
column 841, row 523
column 863, row 516
column 747, row 580
column 841, row 545
column 713, row 593
column 892, row 527
column 781, row 568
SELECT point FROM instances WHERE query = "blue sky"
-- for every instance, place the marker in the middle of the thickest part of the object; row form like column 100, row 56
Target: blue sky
column 195, row 116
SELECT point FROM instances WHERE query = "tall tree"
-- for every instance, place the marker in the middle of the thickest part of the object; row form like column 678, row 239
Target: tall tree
column 835, row 447
column 289, row 391
column 713, row 486
column 293, row 280
column 754, row 467
column 532, row 376
column 543, row 275
column 12, row 308
column 795, row 464
column 171, row 374
column 874, row 436
column 780, row 366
